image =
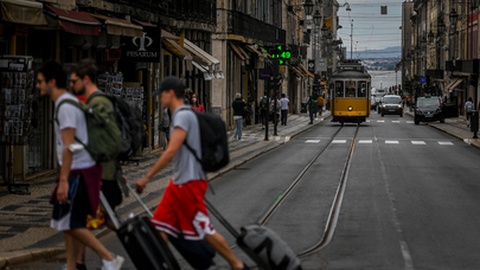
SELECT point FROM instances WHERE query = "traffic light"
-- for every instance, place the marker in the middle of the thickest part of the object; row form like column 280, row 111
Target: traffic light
column 281, row 53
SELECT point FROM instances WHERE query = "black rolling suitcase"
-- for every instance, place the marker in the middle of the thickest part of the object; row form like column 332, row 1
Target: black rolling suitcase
column 262, row 245
column 140, row 239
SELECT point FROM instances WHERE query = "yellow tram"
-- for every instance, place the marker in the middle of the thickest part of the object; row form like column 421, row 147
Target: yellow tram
column 350, row 93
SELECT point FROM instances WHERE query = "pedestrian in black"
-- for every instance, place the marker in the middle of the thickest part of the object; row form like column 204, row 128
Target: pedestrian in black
column 238, row 106
column 312, row 106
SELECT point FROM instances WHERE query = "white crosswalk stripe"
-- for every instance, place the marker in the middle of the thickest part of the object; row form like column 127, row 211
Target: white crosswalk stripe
column 396, row 121
column 445, row 143
column 312, row 141
column 380, row 121
column 419, row 143
column 365, row 141
column 410, row 122
column 391, row 142
column 339, row 141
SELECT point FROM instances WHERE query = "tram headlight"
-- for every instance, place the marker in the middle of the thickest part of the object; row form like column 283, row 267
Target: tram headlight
column 350, row 108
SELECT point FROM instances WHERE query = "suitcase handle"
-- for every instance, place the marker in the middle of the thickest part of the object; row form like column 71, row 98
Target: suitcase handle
column 222, row 220
column 139, row 200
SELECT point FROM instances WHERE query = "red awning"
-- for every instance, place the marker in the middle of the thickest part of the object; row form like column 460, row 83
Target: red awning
column 75, row 22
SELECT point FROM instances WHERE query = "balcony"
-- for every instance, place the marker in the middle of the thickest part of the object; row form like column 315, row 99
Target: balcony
column 203, row 11
column 244, row 25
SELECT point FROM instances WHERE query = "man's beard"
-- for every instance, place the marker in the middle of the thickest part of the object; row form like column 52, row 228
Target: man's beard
column 80, row 92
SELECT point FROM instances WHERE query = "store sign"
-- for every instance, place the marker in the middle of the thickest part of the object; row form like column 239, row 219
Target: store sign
column 145, row 48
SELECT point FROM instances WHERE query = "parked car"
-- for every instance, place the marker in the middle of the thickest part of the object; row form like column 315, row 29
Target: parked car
column 428, row 109
column 392, row 104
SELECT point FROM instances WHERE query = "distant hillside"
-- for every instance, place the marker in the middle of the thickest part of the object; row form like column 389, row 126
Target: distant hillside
column 390, row 52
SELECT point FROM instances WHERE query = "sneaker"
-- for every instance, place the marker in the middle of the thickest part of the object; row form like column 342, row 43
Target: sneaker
column 115, row 264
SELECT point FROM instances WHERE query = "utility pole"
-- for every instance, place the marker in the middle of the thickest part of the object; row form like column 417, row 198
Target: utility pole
column 351, row 40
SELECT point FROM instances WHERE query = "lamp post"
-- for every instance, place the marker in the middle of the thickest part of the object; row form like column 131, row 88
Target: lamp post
column 308, row 7
column 351, row 39
column 317, row 20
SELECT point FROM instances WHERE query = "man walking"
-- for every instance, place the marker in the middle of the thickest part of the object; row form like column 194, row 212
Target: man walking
column 183, row 208
column 78, row 189
column 238, row 106
column 83, row 79
column 284, row 105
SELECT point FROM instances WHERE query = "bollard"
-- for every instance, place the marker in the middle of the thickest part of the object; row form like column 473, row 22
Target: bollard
column 474, row 123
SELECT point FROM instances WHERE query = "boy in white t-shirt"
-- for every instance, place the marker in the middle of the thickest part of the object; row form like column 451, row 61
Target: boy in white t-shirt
column 77, row 191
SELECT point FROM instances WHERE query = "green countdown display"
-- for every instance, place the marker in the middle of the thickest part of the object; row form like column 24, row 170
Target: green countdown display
column 282, row 54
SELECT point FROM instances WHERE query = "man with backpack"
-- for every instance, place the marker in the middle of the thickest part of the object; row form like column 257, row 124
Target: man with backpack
column 77, row 192
column 263, row 110
column 469, row 109
column 182, row 209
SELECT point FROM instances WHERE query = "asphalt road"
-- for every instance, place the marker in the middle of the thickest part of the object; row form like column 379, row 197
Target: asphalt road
column 411, row 200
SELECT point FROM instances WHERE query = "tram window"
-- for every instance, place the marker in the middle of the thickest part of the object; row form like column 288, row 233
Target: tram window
column 350, row 89
column 338, row 89
column 362, row 90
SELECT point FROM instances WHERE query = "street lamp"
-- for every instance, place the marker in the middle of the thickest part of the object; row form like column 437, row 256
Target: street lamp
column 453, row 16
column 441, row 26
column 317, row 18
column 308, row 7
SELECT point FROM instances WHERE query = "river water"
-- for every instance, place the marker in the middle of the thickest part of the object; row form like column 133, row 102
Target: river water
column 385, row 79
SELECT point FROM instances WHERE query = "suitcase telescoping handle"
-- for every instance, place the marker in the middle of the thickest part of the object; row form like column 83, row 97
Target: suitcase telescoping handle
column 139, row 200
column 222, row 220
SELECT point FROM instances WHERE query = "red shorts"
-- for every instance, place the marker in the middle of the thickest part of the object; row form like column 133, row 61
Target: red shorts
column 183, row 210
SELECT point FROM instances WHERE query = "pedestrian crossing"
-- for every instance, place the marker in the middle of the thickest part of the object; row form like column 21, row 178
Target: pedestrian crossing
column 386, row 142
column 390, row 121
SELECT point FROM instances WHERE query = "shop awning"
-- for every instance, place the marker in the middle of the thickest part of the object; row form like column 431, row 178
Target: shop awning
column 174, row 48
column 205, row 57
column 305, row 70
column 120, row 27
column 239, row 52
column 454, row 84
column 254, row 50
column 298, row 72
column 166, row 34
column 75, row 22
column 22, row 12
column 207, row 76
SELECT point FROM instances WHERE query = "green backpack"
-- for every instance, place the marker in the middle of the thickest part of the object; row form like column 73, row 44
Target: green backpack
column 104, row 136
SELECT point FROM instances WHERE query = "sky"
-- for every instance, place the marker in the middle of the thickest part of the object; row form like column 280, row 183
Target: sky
column 371, row 30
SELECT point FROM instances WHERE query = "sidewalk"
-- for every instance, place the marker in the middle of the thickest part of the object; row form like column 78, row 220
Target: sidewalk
column 457, row 127
column 25, row 234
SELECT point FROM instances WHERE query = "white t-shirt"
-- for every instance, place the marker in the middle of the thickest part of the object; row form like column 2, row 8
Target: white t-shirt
column 284, row 101
column 70, row 116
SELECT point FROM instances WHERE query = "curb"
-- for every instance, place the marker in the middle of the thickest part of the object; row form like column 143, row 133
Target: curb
column 28, row 256
column 19, row 257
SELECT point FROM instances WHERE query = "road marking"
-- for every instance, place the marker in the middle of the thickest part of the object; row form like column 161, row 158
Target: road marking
column 339, row 141
column 419, row 143
column 396, row 121
column 312, row 141
column 368, row 121
column 391, row 142
column 365, row 141
column 380, row 121
column 410, row 122
column 445, row 143
column 407, row 258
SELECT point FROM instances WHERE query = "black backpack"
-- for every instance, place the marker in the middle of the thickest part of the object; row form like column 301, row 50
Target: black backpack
column 129, row 121
column 213, row 140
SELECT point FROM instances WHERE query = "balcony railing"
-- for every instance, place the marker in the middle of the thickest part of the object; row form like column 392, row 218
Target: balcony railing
column 249, row 27
column 197, row 10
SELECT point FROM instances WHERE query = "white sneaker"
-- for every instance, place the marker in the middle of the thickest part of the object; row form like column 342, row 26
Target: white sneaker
column 115, row 264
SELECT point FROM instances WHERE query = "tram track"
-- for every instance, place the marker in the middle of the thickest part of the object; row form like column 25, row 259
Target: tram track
column 334, row 213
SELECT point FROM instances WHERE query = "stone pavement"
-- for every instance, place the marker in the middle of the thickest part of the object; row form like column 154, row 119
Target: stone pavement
column 25, row 234
column 456, row 127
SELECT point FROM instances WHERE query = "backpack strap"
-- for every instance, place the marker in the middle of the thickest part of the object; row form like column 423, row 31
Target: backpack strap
column 75, row 104
column 185, row 141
